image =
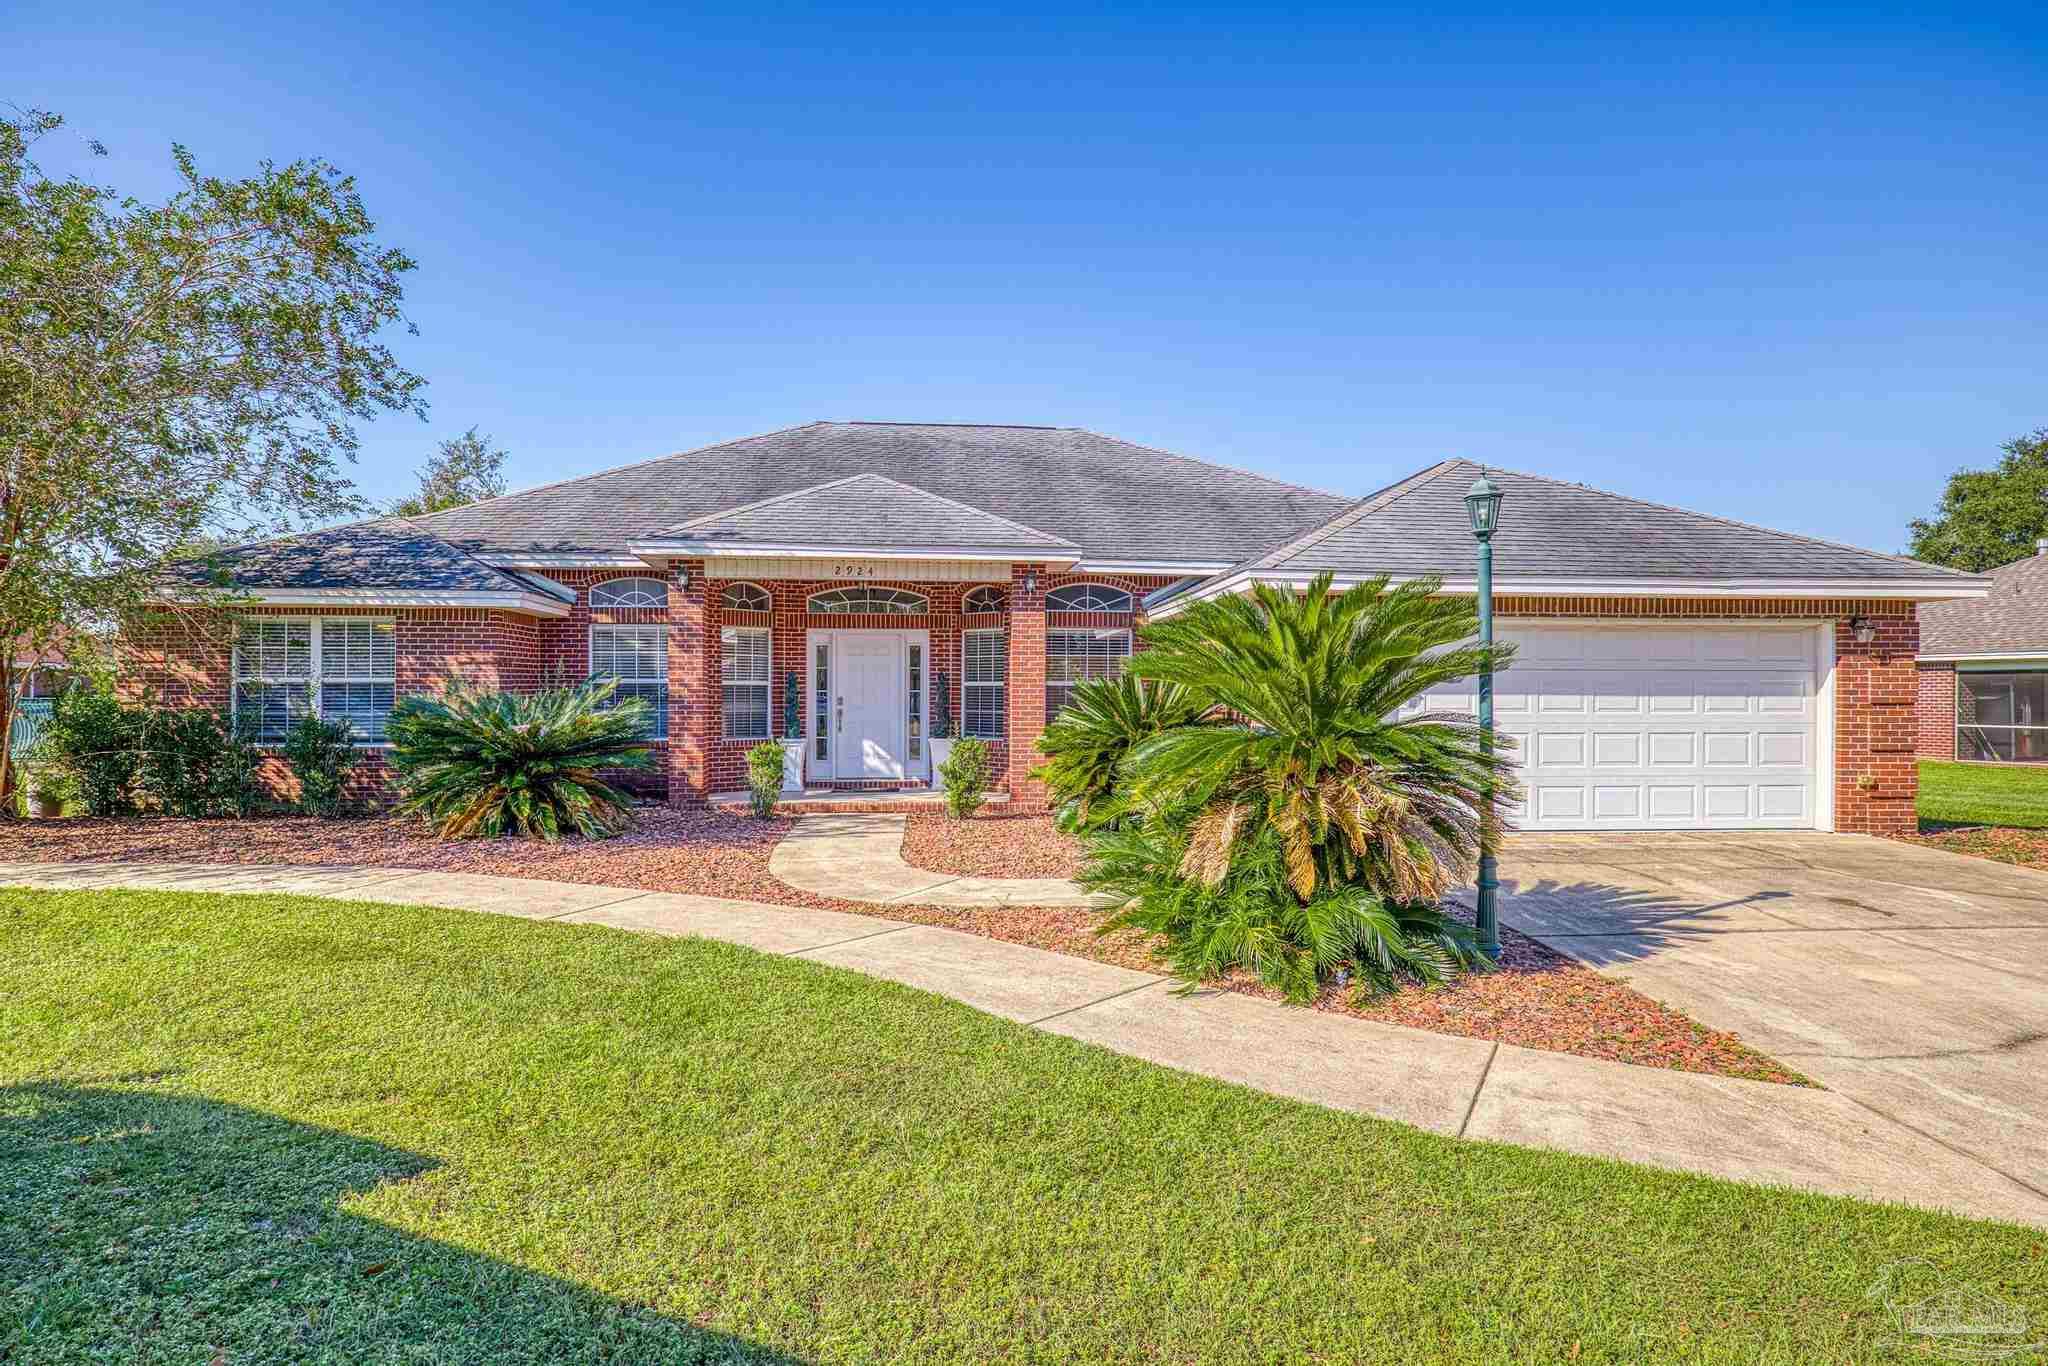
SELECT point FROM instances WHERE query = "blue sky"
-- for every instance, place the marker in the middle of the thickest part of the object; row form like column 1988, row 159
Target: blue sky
column 1785, row 268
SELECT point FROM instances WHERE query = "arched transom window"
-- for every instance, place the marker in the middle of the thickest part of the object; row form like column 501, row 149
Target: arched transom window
column 983, row 599
column 629, row 593
column 1087, row 597
column 745, row 597
column 892, row 601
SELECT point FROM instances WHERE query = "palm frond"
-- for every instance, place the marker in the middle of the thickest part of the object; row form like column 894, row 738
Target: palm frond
column 476, row 763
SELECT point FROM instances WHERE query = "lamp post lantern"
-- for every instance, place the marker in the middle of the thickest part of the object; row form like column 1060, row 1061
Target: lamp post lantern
column 1483, row 503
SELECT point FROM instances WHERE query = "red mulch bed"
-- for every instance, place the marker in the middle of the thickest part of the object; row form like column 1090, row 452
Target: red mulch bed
column 990, row 846
column 2027, row 848
column 1539, row 998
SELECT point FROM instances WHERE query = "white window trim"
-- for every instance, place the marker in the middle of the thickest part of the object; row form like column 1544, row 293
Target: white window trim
column 767, row 687
column 1001, row 590
column 590, row 662
column 1130, row 598
column 314, row 678
column 726, row 586
column 1001, row 686
column 660, row 606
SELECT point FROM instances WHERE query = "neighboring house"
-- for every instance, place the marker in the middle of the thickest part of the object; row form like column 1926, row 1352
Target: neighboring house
column 1677, row 671
column 1984, row 670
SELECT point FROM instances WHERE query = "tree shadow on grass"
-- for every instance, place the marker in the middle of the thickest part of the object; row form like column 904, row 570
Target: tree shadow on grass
column 138, row 1225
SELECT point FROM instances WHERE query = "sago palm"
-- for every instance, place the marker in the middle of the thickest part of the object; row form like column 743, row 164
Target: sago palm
column 1315, row 749
column 496, row 763
column 1103, row 720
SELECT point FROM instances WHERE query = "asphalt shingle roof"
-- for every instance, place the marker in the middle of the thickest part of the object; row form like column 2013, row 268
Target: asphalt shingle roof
column 1111, row 498
column 391, row 552
column 2013, row 618
column 867, row 510
column 1554, row 530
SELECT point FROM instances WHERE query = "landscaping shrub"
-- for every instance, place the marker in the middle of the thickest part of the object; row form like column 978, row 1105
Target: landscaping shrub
column 1300, row 826
column 197, row 764
column 1103, row 719
column 95, row 743
column 965, row 776
column 764, row 779
column 320, row 754
column 496, row 763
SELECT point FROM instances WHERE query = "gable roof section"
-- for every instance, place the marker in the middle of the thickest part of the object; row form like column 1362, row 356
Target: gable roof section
column 1113, row 500
column 866, row 512
column 389, row 553
column 2011, row 620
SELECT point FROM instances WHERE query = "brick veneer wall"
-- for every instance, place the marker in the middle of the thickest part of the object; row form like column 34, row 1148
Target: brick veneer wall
column 1876, row 779
column 1934, row 712
column 1881, row 696
column 186, row 660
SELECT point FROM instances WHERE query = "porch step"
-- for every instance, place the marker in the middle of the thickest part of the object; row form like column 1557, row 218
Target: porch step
column 818, row 799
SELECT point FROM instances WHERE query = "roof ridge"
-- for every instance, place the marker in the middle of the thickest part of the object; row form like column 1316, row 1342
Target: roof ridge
column 1370, row 503
column 1715, row 517
column 855, row 479
column 629, row 465
column 1197, row 460
column 993, row 426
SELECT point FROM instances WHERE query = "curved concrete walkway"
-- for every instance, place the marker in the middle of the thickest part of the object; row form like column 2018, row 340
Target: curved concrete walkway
column 1747, row 1131
column 859, row 856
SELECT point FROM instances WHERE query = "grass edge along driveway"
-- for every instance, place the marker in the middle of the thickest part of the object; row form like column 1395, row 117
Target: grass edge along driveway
column 2008, row 796
column 288, row 1129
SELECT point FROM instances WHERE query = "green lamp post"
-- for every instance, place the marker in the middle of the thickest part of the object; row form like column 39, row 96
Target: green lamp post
column 1483, row 503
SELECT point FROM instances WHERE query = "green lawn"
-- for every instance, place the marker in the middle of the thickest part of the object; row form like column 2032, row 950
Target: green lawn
column 1984, row 794
column 307, row 1130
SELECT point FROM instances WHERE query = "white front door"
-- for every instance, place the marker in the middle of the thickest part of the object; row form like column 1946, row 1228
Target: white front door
column 868, row 705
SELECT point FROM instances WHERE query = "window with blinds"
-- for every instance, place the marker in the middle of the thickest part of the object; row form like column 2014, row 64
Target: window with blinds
column 637, row 656
column 984, row 683
column 745, row 671
column 340, row 670
column 1073, row 657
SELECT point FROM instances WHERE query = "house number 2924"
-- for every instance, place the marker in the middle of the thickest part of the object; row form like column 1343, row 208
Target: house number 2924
column 853, row 571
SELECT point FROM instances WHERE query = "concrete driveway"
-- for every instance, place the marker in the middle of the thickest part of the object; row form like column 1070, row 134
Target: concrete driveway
column 1912, row 981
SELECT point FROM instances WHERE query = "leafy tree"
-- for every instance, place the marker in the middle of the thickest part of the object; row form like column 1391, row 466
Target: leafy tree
column 1300, row 825
column 465, row 470
column 1990, row 517
column 175, row 374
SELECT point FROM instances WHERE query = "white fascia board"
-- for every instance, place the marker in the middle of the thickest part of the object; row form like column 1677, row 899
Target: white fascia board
column 1908, row 590
column 533, row 559
column 711, row 550
column 1178, row 568
column 1998, row 657
column 532, row 604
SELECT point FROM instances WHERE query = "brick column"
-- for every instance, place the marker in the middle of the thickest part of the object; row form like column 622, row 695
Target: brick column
column 1934, row 712
column 1876, row 688
column 692, row 655
column 1026, row 690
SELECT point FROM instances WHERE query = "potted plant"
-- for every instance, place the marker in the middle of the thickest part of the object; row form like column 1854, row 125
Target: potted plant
column 942, row 725
column 792, row 738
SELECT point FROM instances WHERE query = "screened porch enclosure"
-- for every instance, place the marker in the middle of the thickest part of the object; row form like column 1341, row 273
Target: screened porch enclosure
column 2002, row 717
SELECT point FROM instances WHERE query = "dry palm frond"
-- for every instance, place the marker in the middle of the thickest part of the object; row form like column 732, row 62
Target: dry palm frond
column 1210, row 840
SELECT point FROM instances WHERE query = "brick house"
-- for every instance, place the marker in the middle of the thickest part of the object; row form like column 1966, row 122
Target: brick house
column 1676, row 670
column 1983, row 679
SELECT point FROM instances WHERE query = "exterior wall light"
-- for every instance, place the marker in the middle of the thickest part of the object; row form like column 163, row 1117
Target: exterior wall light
column 1864, row 629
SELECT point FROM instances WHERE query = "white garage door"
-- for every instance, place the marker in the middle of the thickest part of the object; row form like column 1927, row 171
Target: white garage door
column 1656, row 728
